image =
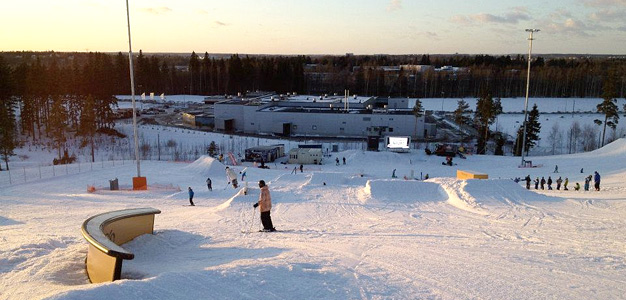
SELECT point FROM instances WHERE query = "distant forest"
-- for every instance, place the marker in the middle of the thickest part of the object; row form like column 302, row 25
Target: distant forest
column 105, row 74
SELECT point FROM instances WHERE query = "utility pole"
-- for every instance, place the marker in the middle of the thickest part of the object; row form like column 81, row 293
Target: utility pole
column 530, row 50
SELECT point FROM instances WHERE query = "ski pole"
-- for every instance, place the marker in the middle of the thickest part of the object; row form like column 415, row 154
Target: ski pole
column 252, row 221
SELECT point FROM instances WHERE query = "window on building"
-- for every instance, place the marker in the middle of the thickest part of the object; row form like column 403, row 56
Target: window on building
column 390, row 119
column 295, row 127
column 390, row 129
column 367, row 119
column 341, row 129
column 343, row 122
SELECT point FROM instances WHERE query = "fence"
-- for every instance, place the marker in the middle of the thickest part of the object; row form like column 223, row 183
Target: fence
column 21, row 175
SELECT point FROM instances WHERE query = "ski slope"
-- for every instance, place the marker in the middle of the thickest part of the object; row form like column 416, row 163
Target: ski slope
column 346, row 232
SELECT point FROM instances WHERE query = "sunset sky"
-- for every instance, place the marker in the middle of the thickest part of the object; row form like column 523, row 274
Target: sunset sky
column 316, row 26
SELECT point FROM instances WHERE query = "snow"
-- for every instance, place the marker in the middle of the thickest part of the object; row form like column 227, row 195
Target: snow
column 347, row 232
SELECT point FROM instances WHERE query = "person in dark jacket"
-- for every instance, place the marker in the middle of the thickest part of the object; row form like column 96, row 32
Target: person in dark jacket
column 549, row 183
column 537, row 183
column 191, row 197
column 543, row 182
column 527, row 182
column 596, row 181
column 558, row 183
column 209, row 184
column 265, row 206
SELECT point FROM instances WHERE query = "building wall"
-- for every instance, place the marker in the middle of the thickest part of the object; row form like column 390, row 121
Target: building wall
column 250, row 119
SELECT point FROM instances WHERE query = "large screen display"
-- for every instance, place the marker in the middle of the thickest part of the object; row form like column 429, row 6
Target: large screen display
column 398, row 142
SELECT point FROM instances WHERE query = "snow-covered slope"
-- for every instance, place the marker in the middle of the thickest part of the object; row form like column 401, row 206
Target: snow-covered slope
column 346, row 232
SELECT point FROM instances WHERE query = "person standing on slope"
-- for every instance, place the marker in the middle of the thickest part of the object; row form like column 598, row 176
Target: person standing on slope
column 243, row 174
column 191, row 197
column 565, row 183
column 537, row 183
column 543, row 182
column 558, row 183
column 549, row 183
column 232, row 177
column 527, row 182
column 209, row 185
column 596, row 181
column 265, row 206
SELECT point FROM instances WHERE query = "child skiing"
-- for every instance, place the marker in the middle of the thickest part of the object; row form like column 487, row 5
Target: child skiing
column 191, row 197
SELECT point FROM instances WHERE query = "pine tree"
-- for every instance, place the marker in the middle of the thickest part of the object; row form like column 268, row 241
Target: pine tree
column 7, row 114
column 462, row 113
column 533, row 127
column 418, row 112
column 57, row 123
column 88, row 126
column 608, row 107
column 487, row 110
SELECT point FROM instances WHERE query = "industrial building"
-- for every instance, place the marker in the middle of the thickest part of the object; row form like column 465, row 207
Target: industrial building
column 323, row 116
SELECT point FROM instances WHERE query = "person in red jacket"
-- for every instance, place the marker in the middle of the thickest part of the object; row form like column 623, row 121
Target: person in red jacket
column 265, row 205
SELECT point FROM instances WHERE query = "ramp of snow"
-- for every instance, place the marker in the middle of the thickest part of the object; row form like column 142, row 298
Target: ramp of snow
column 406, row 191
column 206, row 165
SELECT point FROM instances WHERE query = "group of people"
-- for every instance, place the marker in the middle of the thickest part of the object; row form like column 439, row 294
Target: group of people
column 265, row 200
column 337, row 161
column 541, row 183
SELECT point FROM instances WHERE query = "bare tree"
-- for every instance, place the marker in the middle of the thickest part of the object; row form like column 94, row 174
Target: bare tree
column 574, row 136
column 589, row 135
column 555, row 138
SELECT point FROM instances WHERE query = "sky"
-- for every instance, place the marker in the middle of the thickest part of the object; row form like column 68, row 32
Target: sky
column 316, row 27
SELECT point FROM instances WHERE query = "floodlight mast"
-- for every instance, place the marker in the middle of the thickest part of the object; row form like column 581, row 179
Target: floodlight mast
column 530, row 49
column 132, row 91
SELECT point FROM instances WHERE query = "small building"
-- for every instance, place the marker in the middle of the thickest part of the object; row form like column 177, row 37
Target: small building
column 265, row 153
column 306, row 156
column 198, row 119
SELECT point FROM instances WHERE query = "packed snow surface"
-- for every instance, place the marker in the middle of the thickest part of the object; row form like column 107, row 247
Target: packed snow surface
column 345, row 232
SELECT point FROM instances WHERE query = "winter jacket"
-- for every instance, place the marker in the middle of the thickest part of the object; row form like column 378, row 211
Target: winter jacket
column 190, row 193
column 265, row 200
column 230, row 174
column 596, row 178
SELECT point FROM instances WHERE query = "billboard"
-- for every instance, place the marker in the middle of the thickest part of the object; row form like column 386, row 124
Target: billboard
column 398, row 143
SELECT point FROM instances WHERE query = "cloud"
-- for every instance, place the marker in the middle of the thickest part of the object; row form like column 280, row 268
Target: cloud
column 603, row 3
column 608, row 15
column 420, row 35
column 569, row 26
column 394, row 5
column 156, row 10
column 202, row 11
column 514, row 17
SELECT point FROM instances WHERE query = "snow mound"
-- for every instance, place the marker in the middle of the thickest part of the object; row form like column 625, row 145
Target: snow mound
column 206, row 165
column 337, row 179
column 498, row 192
column 615, row 148
column 406, row 191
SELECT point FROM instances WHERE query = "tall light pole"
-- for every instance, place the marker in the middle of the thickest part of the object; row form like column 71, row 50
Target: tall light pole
column 138, row 183
column 530, row 50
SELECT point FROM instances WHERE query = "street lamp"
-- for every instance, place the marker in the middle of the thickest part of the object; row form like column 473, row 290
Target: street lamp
column 139, row 183
column 530, row 49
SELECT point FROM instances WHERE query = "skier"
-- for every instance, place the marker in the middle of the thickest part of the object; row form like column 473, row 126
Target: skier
column 565, row 184
column 556, row 168
column 537, row 183
column 549, row 183
column 232, row 177
column 558, row 183
column 527, row 182
column 265, row 205
column 393, row 174
column 243, row 174
column 191, row 197
column 344, row 160
column 577, row 186
column 596, row 181
column 426, row 176
column 301, row 168
column 208, row 183
column 543, row 182
column 587, row 179
column 336, row 161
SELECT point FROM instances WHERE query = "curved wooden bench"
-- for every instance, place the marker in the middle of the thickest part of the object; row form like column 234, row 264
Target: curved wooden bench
column 106, row 232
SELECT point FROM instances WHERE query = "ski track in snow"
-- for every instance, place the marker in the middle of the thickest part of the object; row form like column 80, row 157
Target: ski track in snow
column 347, row 232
